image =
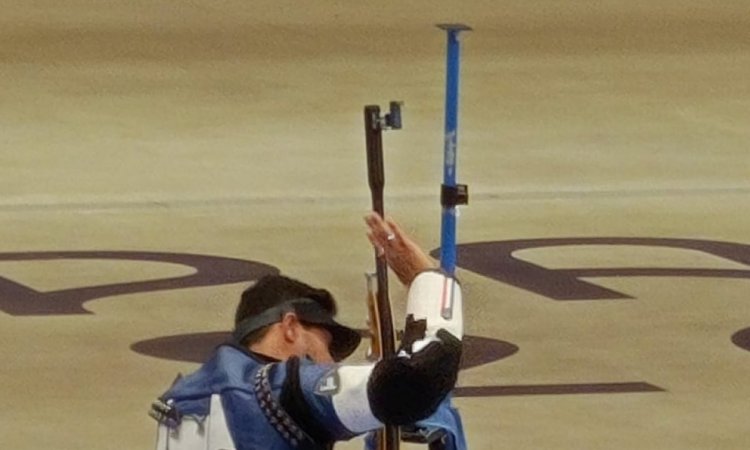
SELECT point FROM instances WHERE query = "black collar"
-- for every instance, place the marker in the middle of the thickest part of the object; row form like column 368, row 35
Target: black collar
column 259, row 357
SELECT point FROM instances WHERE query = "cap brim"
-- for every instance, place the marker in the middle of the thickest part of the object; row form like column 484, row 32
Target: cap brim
column 344, row 340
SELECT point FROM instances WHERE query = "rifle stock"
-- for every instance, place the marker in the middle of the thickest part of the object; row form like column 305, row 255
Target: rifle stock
column 375, row 351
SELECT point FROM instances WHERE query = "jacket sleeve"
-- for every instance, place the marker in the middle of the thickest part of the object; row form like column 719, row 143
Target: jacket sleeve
column 338, row 402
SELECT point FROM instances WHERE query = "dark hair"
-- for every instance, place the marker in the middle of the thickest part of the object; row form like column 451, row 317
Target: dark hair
column 273, row 290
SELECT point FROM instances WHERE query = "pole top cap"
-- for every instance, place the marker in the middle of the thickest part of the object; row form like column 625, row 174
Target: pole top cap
column 454, row 27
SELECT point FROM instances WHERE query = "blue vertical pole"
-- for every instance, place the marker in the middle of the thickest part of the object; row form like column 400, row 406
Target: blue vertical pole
column 448, row 227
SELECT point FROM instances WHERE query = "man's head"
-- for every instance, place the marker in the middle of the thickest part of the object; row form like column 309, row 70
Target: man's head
column 282, row 317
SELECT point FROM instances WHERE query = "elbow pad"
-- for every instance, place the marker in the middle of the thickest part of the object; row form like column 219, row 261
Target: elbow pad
column 436, row 298
column 410, row 386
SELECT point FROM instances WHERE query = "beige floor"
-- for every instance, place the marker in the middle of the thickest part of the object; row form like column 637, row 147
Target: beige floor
column 234, row 129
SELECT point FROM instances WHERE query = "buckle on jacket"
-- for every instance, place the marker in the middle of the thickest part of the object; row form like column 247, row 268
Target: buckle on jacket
column 165, row 413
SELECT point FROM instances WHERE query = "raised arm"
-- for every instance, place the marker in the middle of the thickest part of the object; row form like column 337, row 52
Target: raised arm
column 348, row 400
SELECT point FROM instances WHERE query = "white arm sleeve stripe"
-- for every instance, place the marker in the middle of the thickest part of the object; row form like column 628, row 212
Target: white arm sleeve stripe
column 221, row 439
column 436, row 297
column 209, row 433
column 351, row 403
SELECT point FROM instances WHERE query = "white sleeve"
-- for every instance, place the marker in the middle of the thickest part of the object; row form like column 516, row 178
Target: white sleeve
column 351, row 403
column 436, row 298
column 207, row 433
column 433, row 297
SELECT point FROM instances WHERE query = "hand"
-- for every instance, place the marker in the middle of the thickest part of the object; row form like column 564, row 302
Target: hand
column 402, row 254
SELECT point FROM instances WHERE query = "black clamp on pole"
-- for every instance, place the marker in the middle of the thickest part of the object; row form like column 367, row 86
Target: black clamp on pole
column 451, row 196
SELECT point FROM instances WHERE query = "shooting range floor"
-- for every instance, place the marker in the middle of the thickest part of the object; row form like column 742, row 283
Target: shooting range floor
column 156, row 156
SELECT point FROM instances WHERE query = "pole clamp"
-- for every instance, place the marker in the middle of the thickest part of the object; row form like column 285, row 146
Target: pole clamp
column 451, row 196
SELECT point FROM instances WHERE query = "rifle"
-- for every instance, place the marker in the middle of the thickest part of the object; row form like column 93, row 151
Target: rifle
column 451, row 195
column 383, row 343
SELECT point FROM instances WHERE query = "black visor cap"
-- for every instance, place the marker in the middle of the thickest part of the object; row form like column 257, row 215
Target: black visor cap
column 344, row 339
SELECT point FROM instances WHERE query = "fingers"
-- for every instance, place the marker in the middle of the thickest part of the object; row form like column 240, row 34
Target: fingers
column 376, row 244
column 403, row 255
column 395, row 230
column 381, row 234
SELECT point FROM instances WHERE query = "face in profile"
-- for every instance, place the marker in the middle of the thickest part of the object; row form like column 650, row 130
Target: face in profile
column 316, row 342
